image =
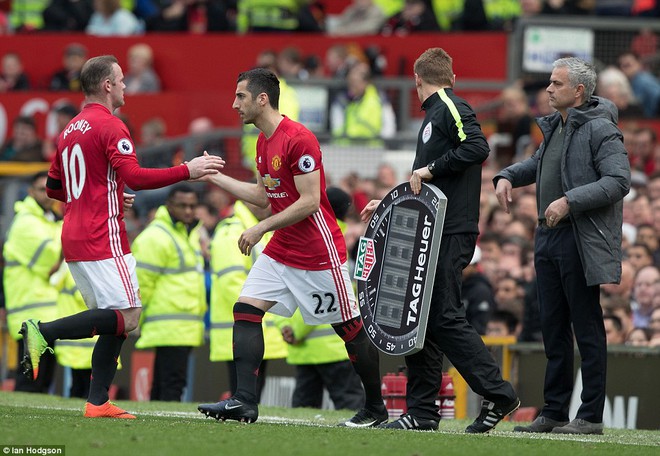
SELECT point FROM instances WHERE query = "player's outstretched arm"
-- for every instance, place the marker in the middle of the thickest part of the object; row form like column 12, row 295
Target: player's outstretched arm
column 369, row 209
column 138, row 178
column 129, row 199
column 309, row 189
column 308, row 186
column 245, row 191
column 204, row 165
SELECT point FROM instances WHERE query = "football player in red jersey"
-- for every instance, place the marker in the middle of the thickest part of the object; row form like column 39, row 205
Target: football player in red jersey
column 304, row 264
column 95, row 159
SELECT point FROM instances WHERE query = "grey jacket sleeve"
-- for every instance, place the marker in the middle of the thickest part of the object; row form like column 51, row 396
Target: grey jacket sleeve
column 608, row 180
column 522, row 173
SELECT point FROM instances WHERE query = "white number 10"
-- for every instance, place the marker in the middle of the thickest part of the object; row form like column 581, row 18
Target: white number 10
column 74, row 182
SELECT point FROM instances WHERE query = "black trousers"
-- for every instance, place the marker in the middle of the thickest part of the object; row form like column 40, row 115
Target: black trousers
column 340, row 379
column 170, row 373
column 569, row 307
column 449, row 333
column 47, row 364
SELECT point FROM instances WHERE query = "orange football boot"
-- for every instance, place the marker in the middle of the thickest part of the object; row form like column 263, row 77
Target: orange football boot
column 107, row 410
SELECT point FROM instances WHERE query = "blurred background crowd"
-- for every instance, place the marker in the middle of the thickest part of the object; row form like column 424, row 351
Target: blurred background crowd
column 356, row 17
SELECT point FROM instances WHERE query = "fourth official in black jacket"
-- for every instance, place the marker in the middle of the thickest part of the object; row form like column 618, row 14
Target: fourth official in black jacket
column 450, row 150
column 452, row 147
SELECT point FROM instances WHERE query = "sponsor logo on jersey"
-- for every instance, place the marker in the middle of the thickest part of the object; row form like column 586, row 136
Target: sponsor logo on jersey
column 426, row 134
column 125, row 146
column 366, row 258
column 277, row 195
column 270, row 183
column 276, row 162
column 306, row 163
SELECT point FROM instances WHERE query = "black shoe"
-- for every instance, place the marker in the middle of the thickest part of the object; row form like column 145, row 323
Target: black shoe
column 366, row 418
column 407, row 421
column 541, row 425
column 231, row 409
column 578, row 426
column 490, row 415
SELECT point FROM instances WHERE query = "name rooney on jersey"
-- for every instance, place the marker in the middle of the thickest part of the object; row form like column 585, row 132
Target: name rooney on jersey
column 81, row 125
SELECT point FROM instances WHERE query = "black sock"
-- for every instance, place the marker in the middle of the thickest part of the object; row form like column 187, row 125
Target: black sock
column 85, row 324
column 248, row 350
column 364, row 357
column 104, row 366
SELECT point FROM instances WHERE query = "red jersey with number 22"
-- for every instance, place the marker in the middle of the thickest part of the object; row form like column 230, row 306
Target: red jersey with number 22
column 95, row 159
column 315, row 243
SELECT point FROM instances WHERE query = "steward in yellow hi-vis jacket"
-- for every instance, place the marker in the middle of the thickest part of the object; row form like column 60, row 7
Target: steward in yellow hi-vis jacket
column 170, row 270
column 319, row 355
column 32, row 252
column 268, row 15
column 360, row 114
column 76, row 354
column 229, row 268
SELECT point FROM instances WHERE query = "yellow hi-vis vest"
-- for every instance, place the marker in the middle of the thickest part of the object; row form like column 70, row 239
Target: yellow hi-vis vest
column 170, row 270
column 28, row 14
column 316, row 344
column 277, row 14
column 76, row 354
column 363, row 119
column 33, row 248
column 447, row 12
column 229, row 268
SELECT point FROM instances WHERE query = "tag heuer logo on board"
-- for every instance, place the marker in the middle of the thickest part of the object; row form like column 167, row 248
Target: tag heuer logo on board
column 366, row 258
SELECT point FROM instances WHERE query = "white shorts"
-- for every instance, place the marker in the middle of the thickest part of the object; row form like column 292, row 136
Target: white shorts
column 107, row 284
column 323, row 297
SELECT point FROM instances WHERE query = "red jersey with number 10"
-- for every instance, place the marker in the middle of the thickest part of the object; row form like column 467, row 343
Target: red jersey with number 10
column 315, row 243
column 95, row 159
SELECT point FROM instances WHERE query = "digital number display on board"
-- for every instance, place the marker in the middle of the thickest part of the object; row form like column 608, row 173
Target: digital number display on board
column 395, row 267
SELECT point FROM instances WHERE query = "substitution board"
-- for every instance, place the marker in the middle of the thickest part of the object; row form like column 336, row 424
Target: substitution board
column 395, row 267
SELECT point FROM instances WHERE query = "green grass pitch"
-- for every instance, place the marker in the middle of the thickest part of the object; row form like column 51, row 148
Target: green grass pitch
column 179, row 429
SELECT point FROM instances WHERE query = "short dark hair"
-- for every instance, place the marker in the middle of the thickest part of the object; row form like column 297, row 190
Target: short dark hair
column 180, row 188
column 67, row 109
column 506, row 317
column 262, row 80
column 25, row 120
column 647, row 250
column 95, row 71
column 339, row 200
column 616, row 321
column 37, row 176
column 490, row 236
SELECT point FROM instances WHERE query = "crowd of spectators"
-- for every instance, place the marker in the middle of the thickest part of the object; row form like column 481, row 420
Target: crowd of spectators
column 387, row 17
column 500, row 281
column 140, row 75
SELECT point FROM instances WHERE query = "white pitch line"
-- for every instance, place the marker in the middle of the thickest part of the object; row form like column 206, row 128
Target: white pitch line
column 303, row 422
column 194, row 415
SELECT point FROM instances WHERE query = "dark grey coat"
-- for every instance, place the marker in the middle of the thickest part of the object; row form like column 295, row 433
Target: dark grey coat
column 595, row 175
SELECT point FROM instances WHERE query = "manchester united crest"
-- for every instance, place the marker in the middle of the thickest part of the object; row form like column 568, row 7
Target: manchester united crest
column 276, row 163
